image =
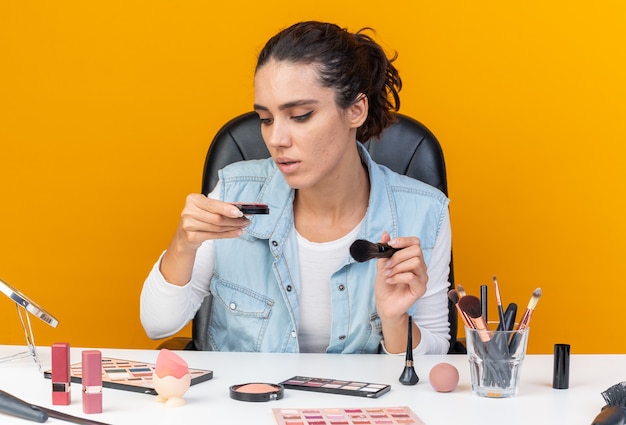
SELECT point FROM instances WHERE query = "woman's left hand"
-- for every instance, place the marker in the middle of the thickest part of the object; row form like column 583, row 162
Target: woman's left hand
column 400, row 280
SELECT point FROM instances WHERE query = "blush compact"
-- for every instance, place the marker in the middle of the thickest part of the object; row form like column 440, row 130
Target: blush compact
column 256, row 391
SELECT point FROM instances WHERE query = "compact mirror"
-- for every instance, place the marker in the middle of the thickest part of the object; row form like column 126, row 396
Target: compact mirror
column 24, row 306
column 28, row 304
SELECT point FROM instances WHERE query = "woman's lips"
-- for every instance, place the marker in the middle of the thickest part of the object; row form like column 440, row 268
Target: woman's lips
column 287, row 165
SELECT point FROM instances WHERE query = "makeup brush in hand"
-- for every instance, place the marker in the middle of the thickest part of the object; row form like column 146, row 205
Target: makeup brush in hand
column 614, row 413
column 362, row 250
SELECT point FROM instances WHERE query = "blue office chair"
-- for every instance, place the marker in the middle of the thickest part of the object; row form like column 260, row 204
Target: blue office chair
column 407, row 147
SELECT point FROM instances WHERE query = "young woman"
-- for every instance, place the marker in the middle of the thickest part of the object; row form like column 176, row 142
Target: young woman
column 286, row 282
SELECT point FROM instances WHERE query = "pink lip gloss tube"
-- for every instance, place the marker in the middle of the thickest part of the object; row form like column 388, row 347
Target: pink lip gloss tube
column 92, row 381
column 61, row 373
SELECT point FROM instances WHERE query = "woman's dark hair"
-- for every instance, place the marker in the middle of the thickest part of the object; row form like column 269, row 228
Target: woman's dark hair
column 350, row 64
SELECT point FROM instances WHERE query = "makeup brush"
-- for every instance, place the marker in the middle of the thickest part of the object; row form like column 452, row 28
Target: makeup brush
column 409, row 376
column 523, row 323
column 472, row 307
column 615, row 395
column 362, row 250
column 460, row 290
column 494, row 372
column 453, row 295
column 499, row 302
column 17, row 407
column 615, row 410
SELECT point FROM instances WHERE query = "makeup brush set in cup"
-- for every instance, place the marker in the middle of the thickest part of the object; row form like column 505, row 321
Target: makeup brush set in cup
column 495, row 355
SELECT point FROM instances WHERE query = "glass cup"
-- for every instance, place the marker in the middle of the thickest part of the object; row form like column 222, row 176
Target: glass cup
column 495, row 360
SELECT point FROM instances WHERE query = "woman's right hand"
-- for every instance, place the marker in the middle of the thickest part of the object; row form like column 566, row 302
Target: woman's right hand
column 202, row 219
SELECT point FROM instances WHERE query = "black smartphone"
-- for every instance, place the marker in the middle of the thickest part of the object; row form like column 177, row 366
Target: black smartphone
column 252, row 208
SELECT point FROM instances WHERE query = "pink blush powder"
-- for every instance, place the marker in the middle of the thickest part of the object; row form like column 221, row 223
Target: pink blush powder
column 256, row 388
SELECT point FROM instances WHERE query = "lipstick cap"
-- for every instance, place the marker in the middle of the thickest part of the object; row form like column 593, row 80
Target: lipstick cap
column 560, row 375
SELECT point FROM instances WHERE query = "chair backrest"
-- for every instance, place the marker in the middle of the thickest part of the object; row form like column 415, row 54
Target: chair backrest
column 407, row 147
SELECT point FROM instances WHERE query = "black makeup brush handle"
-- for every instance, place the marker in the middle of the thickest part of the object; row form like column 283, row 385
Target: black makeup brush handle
column 16, row 407
column 381, row 250
column 484, row 301
column 409, row 376
column 509, row 318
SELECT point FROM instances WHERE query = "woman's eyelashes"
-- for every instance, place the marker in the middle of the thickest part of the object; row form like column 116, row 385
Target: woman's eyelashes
column 297, row 118
column 303, row 117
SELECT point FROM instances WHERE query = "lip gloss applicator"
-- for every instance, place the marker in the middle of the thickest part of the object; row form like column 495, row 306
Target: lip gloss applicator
column 61, row 386
column 92, row 381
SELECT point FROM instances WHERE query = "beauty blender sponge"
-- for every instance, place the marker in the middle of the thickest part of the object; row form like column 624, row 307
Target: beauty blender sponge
column 169, row 363
column 443, row 377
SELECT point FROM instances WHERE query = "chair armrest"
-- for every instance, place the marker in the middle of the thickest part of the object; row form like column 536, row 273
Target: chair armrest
column 177, row 343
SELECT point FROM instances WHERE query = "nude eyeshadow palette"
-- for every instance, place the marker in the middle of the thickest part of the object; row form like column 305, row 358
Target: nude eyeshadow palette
column 401, row 415
column 336, row 386
column 130, row 375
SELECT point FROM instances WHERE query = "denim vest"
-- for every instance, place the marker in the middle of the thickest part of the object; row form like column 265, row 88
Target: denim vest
column 256, row 282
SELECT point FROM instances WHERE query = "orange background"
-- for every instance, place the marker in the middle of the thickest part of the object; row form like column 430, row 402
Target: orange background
column 107, row 109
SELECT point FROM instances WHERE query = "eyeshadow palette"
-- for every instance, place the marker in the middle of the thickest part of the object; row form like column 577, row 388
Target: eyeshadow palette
column 336, row 386
column 130, row 375
column 352, row 416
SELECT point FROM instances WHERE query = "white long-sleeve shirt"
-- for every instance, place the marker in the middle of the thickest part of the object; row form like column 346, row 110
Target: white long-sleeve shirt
column 165, row 308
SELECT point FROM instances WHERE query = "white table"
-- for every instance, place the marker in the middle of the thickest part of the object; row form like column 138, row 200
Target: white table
column 209, row 402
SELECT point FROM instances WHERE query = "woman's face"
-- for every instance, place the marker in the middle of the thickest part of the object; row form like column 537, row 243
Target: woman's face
column 307, row 134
